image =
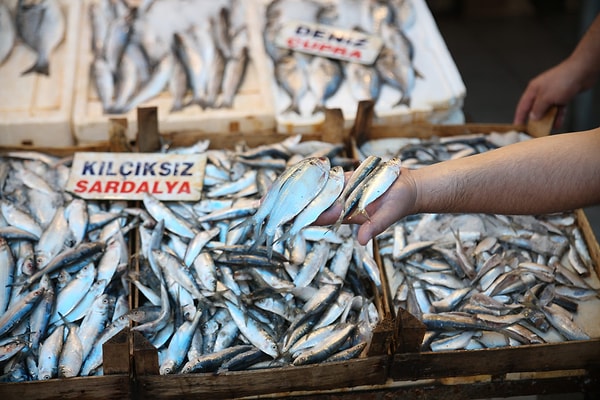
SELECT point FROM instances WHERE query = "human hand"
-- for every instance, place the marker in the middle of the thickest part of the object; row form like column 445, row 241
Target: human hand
column 397, row 202
column 556, row 86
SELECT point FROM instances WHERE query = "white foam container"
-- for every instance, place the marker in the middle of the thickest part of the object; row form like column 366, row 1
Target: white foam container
column 437, row 97
column 252, row 109
column 35, row 109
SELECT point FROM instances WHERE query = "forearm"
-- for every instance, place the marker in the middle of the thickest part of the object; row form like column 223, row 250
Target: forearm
column 555, row 173
column 585, row 58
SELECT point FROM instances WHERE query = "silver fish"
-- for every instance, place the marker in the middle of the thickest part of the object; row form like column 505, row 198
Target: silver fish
column 290, row 74
column 7, row 272
column 20, row 310
column 49, row 354
column 8, row 32
column 41, row 25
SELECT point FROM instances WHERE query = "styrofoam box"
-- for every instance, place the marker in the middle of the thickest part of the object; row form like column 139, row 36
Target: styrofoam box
column 252, row 109
column 34, row 108
column 437, row 97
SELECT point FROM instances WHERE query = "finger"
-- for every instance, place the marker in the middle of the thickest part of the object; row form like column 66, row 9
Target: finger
column 330, row 215
column 372, row 227
column 524, row 106
column 539, row 109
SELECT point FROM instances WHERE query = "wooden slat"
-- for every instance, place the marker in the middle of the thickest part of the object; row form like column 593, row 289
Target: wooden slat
column 367, row 371
column 475, row 389
column 148, row 135
column 116, row 354
column 108, row 387
column 547, row 357
column 145, row 356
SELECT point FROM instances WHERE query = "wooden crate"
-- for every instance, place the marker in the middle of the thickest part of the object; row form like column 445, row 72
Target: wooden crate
column 116, row 381
column 497, row 371
column 369, row 369
column 115, row 384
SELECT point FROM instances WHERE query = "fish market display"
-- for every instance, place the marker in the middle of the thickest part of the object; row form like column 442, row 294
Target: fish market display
column 196, row 50
column 227, row 283
column 38, row 24
column 62, row 269
column 310, row 81
column 239, row 283
column 483, row 281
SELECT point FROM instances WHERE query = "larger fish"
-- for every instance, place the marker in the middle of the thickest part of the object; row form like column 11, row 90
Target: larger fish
column 41, row 25
column 295, row 194
column 7, row 32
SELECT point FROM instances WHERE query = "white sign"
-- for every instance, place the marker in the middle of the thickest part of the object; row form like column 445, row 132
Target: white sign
column 128, row 176
column 329, row 41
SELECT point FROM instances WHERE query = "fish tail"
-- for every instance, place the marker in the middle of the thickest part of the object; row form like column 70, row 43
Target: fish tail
column 318, row 108
column 41, row 66
column 404, row 100
column 293, row 108
column 269, row 246
column 285, row 236
column 418, row 74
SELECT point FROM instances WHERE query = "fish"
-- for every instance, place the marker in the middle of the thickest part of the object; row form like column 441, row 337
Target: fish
column 41, row 25
column 364, row 82
column 68, row 297
column 160, row 212
column 49, row 354
column 20, row 310
column 374, row 186
column 8, row 32
column 179, row 345
column 326, row 347
column 151, row 88
column 395, row 62
column 325, row 77
column 7, row 273
column 290, row 75
column 323, row 200
column 295, row 194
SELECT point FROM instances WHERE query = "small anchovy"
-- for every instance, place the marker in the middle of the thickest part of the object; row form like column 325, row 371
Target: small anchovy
column 212, row 361
column 20, row 310
column 172, row 222
column 179, row 345
column 376, row 184
column 326, row 347
column 78, row 255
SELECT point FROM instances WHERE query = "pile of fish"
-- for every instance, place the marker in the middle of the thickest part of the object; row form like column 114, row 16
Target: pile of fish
column 224, row 300
column 213, row 296
column 39, row 24
column 195, row 49
column 310, row 81
column 483, row 281
column 62, row 272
